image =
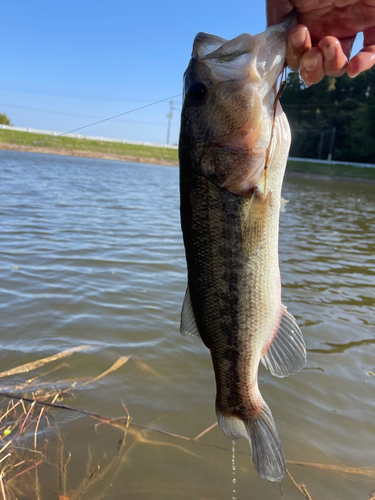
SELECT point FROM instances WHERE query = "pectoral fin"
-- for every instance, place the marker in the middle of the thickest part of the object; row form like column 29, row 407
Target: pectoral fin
column 255, row 222
column 283, row 204
column 188, row 326
column 287, row 353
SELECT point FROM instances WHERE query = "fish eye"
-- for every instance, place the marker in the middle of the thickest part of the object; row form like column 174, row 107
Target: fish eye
column 196, row 92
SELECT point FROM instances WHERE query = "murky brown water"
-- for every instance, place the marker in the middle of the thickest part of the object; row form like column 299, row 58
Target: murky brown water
column 91, row 253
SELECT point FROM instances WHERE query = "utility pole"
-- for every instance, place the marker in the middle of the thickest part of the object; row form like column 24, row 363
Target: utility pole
column 170, row 116
column 331, row 145
column 320, row 145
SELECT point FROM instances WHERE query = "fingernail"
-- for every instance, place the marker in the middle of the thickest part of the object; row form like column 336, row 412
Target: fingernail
column 329, row 52
column 310, row 63
column 298, row 38
column 353, row 74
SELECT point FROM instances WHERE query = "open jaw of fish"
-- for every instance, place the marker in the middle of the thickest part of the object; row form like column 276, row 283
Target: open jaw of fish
column 230, row 224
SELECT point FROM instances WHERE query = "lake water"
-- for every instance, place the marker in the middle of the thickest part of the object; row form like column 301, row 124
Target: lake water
column 91, row 254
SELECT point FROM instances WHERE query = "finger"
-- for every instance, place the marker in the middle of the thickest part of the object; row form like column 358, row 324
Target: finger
column 369, row 37
column 277, row 10
column 364, row 60
column 298, row 42
column 347, row 45
column 334, row 59
column 311, row 69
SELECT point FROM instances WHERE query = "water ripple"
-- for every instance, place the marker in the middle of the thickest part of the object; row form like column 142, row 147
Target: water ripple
column 91, row 252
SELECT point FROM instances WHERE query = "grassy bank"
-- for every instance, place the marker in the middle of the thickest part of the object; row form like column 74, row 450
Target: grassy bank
column 100, row 149
column 12, row 139
column 330, row 170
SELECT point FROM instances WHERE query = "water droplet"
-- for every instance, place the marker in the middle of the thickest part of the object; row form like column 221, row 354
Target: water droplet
column 233, row 465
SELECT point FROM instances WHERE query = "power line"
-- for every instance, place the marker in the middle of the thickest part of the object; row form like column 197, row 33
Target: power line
column 80, row 97
column 97, row 122
column 73, row 115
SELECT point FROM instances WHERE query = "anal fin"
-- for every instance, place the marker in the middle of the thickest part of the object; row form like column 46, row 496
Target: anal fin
column 287, row 353
column 188, row 325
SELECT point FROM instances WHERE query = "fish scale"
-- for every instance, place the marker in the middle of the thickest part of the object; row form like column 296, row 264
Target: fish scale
column 226, row 284
column 230, row 223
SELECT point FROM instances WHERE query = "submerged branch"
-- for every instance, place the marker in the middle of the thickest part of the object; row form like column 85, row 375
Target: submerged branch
column 103, row 418
column 300, row 487
column 40, row 362
column 358, row 471
column 124, row 423
column 22, row 416
column 121, row 361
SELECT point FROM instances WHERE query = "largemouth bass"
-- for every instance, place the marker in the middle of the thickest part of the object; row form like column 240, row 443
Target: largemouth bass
column 230, row 221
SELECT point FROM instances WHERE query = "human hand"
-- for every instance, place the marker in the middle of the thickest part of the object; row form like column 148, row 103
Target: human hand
column 322, row 43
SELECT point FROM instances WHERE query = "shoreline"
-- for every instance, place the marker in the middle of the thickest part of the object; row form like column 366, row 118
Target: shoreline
column 154, row 161
column 320, row 177
column 86, row 154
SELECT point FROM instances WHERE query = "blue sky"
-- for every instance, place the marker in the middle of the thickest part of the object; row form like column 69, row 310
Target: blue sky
column 65, row 64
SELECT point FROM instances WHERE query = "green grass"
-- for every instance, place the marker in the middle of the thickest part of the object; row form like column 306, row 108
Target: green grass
column 68, row 143
column 150, row 152
column 331, row 170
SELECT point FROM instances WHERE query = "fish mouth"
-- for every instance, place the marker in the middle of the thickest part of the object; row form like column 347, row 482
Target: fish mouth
column 246, row 58
column 229, row 105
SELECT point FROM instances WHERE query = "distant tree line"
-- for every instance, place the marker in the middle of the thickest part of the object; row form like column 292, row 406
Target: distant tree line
column 336, row 116
column 4, row 120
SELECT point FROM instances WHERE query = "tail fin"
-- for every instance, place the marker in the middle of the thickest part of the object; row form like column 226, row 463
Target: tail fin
column 266, row 448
